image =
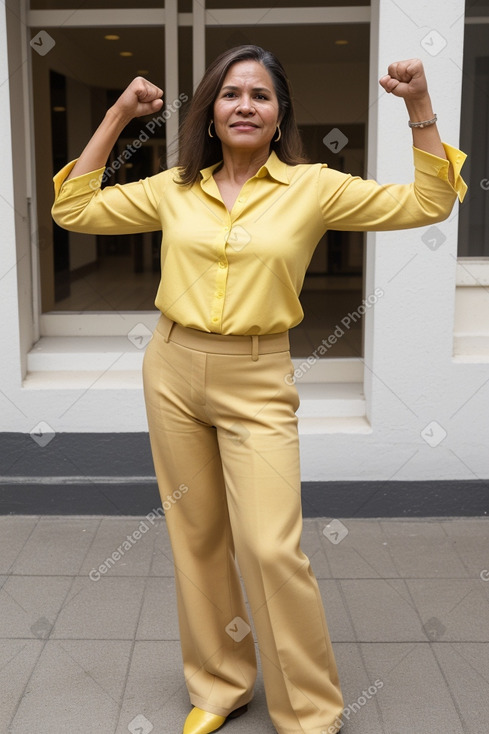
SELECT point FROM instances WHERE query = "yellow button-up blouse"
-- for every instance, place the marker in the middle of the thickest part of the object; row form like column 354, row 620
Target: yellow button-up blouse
column 241, row 271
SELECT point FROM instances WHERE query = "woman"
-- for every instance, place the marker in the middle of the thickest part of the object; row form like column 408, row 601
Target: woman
column 241, row 216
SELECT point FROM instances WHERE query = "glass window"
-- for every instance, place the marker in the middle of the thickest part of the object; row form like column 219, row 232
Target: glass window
column 476, row 8
column 186, row 5
column 93, row 4
column 73, row 85
column 474, row 213
column 82, row 74
column 328, row 69
column 285, row 4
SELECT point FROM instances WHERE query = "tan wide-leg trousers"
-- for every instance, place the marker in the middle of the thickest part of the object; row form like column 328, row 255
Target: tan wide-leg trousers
column 224, row 439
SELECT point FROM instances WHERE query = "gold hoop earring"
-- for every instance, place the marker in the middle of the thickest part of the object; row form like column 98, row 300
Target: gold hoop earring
column 209, row 129
column 279, row 134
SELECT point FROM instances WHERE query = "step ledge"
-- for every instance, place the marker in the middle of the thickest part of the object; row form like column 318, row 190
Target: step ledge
column 319, row 402
column 472, row 348
column 337, row 424
column 118, row 353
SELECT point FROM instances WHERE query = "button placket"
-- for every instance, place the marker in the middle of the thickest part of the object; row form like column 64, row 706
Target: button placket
column 221, row 278
column 219, row 295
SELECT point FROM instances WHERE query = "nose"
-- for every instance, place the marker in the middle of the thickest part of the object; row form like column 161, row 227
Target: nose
column 245, row 105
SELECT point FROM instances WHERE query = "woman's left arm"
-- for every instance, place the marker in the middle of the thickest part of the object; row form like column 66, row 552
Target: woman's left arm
column 406, row 79
column 352, row 203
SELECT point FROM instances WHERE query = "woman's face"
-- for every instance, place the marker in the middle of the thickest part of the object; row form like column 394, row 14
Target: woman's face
column 246, row 111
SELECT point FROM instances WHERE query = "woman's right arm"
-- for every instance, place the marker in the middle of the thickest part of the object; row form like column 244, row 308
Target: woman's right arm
column 81, row 205
column 138, row 99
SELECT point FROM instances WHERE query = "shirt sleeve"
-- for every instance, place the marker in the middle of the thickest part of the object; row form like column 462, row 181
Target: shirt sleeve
column 352, row 203
column 80, row 205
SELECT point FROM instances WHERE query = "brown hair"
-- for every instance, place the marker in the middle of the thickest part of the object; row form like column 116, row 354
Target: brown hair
column 198, row 150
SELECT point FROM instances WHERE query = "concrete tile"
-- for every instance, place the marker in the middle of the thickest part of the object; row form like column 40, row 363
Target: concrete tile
column 155, row 687
column 422, row 550
column 29, row 605
column 130, row 540
column 106, row 609
column 14, row 532
column 414, row 696
column 76, row 687
column 462, row 526
column 382, row 610
column 338, row 620
column 312, row 544
column 162, row 563
column 470, row 538
column 17, row 660
column 362, row 553
column 57, row 546
column 363, row 714
column 159, row 620
column 466, row 669
column 452, row 610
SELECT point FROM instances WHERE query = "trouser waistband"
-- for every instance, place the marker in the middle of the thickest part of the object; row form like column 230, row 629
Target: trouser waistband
column 212, row 343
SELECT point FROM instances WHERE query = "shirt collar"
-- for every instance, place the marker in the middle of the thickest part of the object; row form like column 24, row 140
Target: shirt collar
column 274, row 167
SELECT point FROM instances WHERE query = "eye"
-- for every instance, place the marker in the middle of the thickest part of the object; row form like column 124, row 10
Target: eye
column 261, row 96
column 229, row 94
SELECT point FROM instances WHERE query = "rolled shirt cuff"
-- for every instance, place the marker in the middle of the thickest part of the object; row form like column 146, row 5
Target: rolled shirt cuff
column 440, row 167
column 94, row 178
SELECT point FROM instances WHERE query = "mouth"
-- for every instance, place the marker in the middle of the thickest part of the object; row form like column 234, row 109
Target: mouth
column 244, row 125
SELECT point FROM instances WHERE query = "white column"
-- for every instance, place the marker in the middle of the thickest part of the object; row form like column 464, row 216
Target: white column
column 14, row 265
column 409, row 334
column 198, row 41
column 171, row 78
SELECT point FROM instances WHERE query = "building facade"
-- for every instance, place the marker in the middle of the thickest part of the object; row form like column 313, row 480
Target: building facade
column 400, row 391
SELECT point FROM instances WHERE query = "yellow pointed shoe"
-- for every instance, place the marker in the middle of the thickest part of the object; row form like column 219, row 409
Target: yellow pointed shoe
column 202, row 722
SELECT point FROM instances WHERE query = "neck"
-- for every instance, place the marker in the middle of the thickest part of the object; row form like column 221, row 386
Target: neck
column 240, row 165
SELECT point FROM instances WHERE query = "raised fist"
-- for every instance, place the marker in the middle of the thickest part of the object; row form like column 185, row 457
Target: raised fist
column 139, row 98
column 405, row 79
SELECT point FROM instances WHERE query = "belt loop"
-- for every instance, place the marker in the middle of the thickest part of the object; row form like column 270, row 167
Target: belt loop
column 166, row 327
column 167, row 337
column 254, row 347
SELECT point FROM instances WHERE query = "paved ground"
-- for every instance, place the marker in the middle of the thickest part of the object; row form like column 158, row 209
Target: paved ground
column 407, row 603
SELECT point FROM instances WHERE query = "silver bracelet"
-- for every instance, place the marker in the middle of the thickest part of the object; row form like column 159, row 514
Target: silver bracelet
column 423, row 123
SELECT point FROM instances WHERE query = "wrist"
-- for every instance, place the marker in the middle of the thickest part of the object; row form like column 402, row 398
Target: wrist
column 118, row 117
column 419, row 109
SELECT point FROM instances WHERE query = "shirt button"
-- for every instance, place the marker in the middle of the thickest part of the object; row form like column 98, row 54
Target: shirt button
column 215, row 319
column 222, row 264
column 220, row 294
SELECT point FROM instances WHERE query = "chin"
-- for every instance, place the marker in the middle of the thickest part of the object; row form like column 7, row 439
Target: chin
column 244, row 143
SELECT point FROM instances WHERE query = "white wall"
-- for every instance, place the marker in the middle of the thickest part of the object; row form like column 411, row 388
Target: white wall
column 86, row 408
column 411, row 379
column 16, row 279
column 14, row 263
